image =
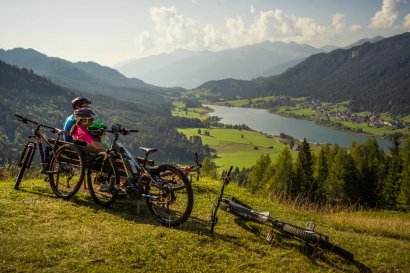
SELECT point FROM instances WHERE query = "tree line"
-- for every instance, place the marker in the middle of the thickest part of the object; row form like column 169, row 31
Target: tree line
column 362, row 175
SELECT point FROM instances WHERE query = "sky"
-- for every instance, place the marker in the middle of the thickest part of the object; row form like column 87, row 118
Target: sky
column 111, row 31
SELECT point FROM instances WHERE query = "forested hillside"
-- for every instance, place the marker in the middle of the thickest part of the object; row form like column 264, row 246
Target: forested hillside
column 25, row 93
column 375, row 77
column 87, row 76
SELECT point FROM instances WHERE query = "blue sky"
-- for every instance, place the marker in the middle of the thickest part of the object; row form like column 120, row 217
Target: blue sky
column 108, row 31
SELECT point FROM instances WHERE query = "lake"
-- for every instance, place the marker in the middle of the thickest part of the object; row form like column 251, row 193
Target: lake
column 262, row 120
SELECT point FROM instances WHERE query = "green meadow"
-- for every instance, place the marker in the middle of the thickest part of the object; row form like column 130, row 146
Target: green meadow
column 239, row 148
column 40, row 233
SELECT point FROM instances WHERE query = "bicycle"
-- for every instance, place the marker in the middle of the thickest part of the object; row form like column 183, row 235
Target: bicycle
column 60, row 170
column 165, row 189
column 197, row 167
column 308, row 236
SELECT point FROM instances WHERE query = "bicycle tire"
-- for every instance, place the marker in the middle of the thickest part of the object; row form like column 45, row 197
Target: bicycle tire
column 67, row 163
column 323, row 244
column 103, row 172
column 28, row 154
column 170, row 197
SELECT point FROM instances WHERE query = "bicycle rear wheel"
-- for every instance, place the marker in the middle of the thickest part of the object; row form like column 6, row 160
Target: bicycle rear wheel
column 25, row 160
column 102, row 180
column 66, row 171
column 170, row 197
column 315, row 240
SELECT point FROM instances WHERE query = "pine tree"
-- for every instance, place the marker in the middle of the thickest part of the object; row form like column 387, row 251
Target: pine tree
column 369, row 161
column 304, row 167
column 256, row 177
column 391, row 187
column 209, row 168
column 339, row 185
column 321, row 171
column 403, row 199
column 281, row 182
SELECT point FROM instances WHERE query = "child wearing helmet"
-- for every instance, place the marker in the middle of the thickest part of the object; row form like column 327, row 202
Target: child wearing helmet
column 97, row 132
column 84, row 117
column 76, row 103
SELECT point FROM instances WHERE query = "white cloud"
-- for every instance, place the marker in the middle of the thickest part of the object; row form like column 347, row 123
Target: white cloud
column 356, row 27
column 174, row 30
column 385, row 17
column 406, row 22
column 338, row 22
column 252, row 9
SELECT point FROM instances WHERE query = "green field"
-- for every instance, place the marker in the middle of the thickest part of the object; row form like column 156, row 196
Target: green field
column 40, row 233
column 179, row 110
column 234, row 150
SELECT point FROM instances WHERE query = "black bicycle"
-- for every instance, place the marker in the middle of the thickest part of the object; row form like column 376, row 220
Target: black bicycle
column 308, row 236
column 165, row 189
column 63, row 162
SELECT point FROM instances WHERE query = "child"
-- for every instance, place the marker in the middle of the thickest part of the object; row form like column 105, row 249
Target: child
column 84, row 117
column 97, row 132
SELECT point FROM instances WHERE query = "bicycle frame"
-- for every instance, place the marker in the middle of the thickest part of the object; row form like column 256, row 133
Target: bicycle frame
column 38, row 143
column 214, row 217
column 197, row 167
column 133, row 169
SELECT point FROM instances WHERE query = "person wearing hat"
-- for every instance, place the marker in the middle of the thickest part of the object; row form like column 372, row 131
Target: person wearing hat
column 84, row 117
column 76, row 103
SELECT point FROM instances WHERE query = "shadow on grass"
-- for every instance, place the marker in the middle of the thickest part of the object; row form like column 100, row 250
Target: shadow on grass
column 312, row 253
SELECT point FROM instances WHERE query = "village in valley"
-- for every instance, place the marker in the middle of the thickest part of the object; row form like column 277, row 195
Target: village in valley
column 374, row 120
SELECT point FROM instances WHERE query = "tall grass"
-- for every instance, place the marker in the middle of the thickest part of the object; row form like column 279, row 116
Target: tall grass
column 9, row 171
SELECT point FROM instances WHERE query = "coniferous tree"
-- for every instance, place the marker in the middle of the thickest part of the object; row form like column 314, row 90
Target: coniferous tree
column 339, row 185
column 321, row 171
column 369, row 161
column 391, row 186
column 209, row 168
column 403, row 200
column 307, row 184
column 257, row 174
column 281, row 182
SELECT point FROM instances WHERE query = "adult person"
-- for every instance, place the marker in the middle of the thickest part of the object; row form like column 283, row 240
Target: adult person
column 84, row 117
column 76, row 103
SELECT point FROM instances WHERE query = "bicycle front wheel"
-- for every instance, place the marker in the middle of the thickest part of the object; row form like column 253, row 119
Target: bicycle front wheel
column 25, row 160
column 321, row 243
column 169, row 195
column 66, row 172
column 102, row 180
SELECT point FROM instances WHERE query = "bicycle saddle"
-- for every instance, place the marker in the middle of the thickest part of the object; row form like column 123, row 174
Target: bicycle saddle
column 148, row 151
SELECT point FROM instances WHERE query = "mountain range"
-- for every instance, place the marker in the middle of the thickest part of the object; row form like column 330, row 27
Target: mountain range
column 86, row 76
column 189, row 69
column 374, row 76
column 38, row 98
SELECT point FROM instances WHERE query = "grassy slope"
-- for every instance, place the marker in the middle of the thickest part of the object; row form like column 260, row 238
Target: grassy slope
column 234, row 150
column 39, row 233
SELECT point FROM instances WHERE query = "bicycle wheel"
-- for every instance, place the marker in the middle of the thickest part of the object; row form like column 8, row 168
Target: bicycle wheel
column 25, row 160
column 315, row 240
column 170, row 197
column 102, row 180
column 66, row 171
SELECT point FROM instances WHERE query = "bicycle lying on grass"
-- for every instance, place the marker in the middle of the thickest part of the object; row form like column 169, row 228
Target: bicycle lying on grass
column 166, row 190
column 308, row 236
column 65, row 177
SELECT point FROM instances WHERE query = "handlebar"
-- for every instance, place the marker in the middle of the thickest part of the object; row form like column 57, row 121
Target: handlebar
column 117, row 129
column 52, row 129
